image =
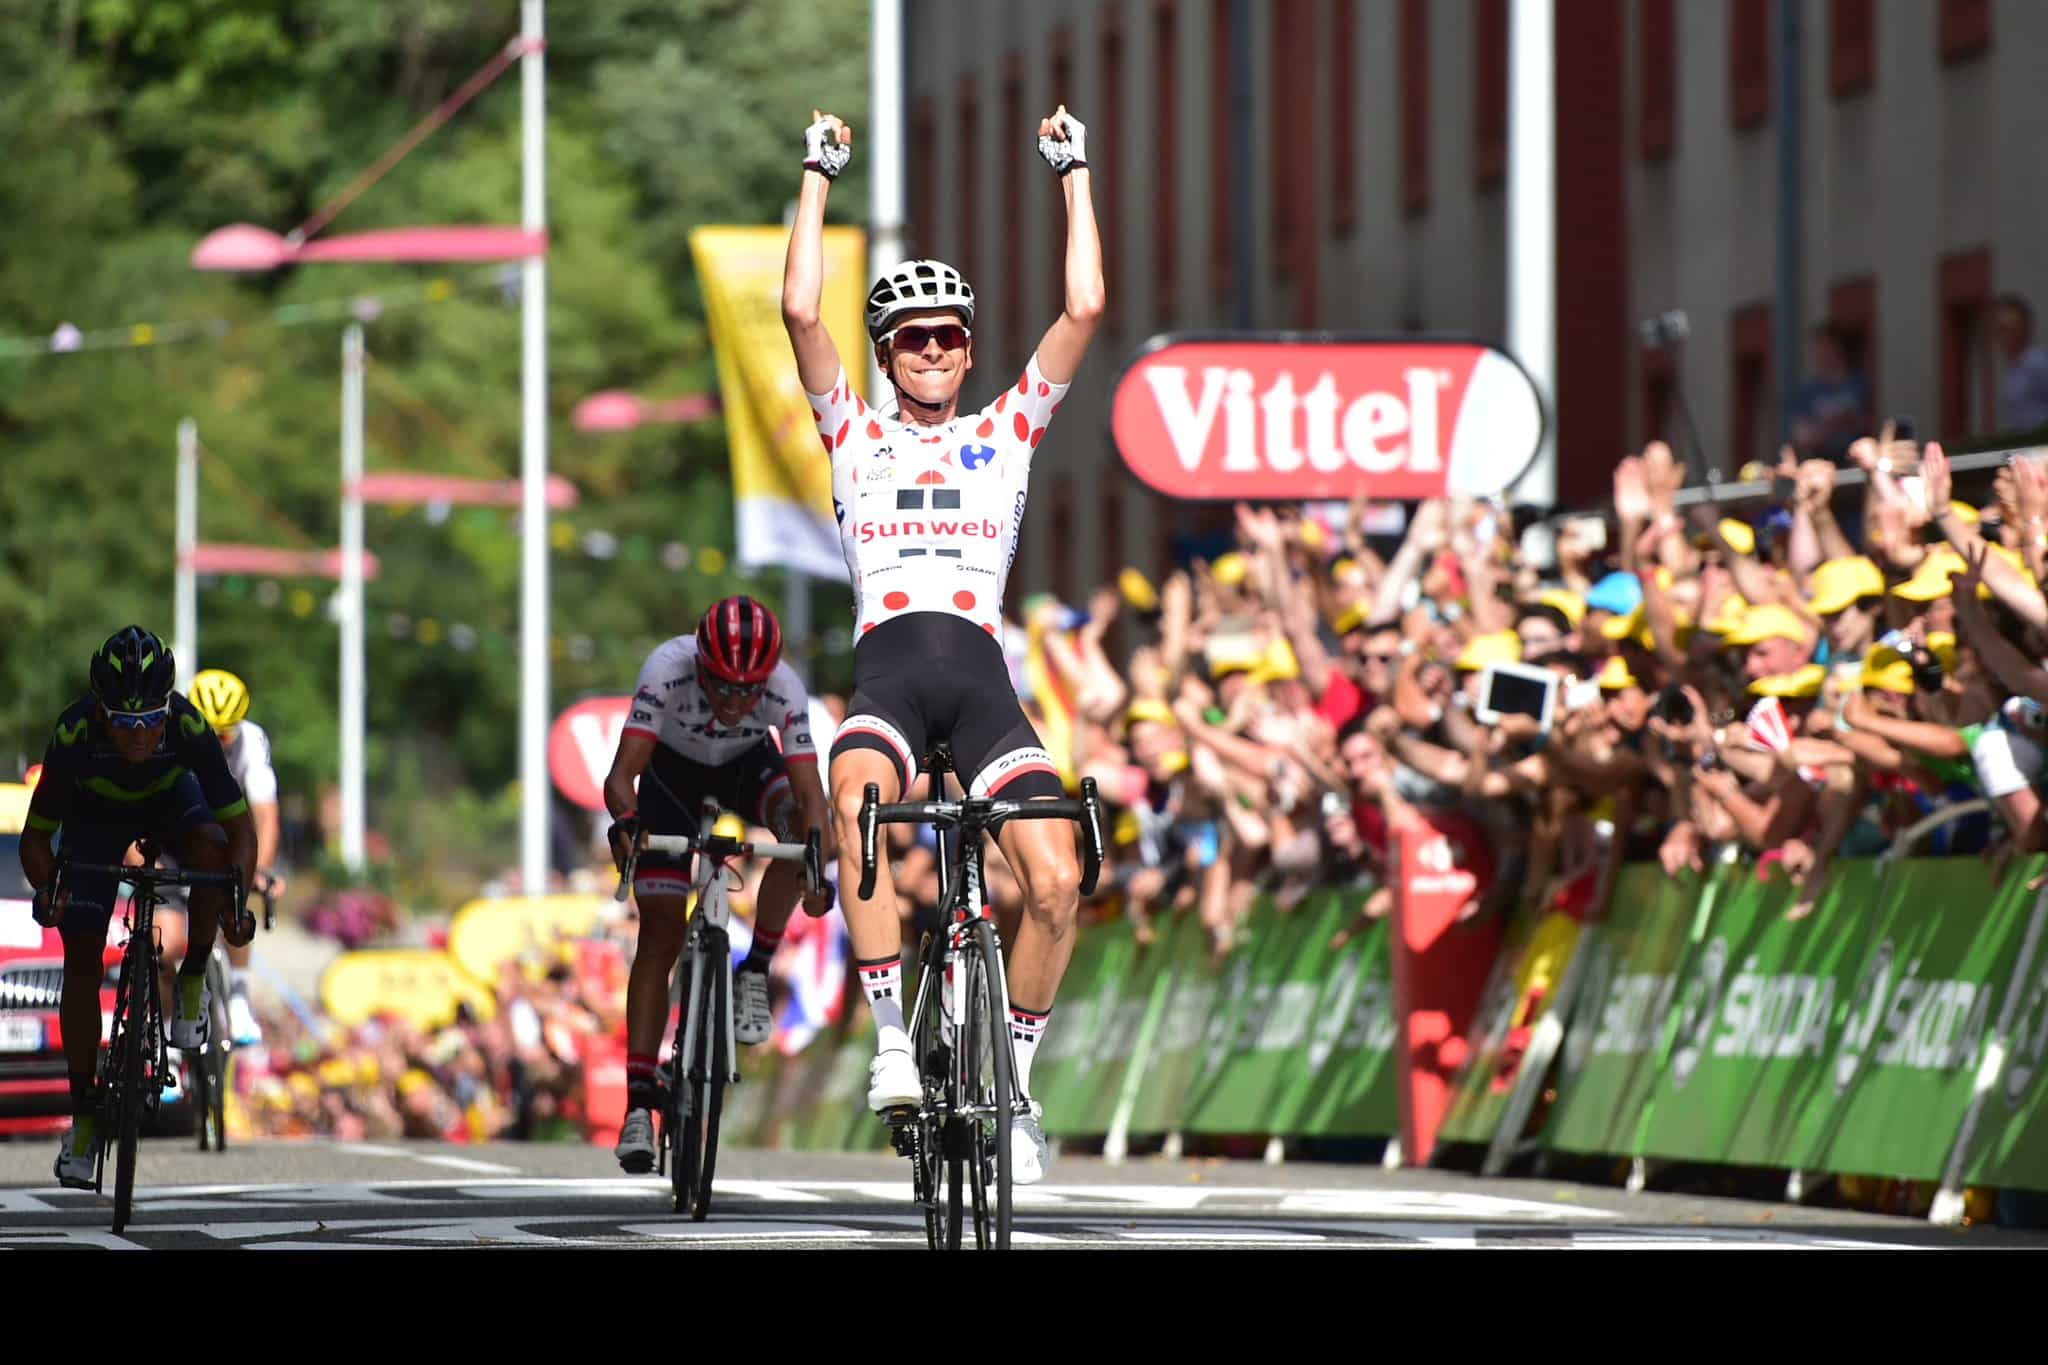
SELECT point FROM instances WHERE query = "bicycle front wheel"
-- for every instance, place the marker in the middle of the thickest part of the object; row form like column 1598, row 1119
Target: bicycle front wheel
column 986, row 1086
column 131, row 1039
column 700, row 1090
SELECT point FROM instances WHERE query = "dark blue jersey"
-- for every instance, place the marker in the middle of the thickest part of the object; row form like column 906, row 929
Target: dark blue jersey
column 82, row 771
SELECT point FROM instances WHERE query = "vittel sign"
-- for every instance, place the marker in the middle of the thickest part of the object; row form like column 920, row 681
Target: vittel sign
column 1290, row 415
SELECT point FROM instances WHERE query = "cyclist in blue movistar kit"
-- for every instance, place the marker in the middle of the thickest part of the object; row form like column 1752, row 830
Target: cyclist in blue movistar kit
column 129, row 760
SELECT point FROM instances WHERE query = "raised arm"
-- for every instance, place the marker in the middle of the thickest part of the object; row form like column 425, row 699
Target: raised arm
column 827, row 149
column 1063, row 142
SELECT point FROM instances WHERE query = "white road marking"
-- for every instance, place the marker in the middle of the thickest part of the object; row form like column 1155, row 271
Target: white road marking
column 453, row 1163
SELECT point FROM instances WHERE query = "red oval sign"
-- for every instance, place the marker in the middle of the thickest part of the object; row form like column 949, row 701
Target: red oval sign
column 1283, row 415
column 581, row 744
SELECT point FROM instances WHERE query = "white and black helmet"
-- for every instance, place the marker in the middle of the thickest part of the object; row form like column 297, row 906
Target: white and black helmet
column 918, row 287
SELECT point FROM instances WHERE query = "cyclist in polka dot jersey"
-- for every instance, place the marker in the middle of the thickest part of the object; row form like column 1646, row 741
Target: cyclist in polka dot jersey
column 929, row 503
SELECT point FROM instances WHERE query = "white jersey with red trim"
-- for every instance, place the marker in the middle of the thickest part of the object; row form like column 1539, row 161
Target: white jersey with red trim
column 670, row 708
column 928, row 516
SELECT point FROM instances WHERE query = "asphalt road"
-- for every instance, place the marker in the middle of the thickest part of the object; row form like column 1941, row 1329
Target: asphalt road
column 319, row 1194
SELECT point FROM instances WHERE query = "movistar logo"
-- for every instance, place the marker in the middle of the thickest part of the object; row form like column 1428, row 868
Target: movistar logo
column 191, row 725
column 72, row 733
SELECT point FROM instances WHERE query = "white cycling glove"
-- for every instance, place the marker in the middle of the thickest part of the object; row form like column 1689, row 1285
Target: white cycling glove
column 1070, row 153
column 822, row 152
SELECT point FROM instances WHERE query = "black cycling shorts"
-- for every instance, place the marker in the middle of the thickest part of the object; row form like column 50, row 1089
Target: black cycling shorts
column 98, row 830
column 672, row 790
column 929, row 677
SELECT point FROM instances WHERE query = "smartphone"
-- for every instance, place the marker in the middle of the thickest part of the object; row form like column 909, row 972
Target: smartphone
column 1516, row 690
column 1592, row 532
column 1581, row 694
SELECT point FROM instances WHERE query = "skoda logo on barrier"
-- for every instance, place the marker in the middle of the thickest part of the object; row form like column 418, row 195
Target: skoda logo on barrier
column 1696, row 1011
column 1866, row 1009
column 2029, row 1041
column 1291, row 415
column 1223, row 1023
column 1584, row 1026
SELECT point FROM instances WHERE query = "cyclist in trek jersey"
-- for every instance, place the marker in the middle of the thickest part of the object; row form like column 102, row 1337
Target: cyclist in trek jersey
column 699, row 727
column 223, row 699
column 929, row 500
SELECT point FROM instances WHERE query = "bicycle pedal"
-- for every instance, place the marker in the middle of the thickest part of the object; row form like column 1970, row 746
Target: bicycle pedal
column 900, row 1116
column 903, row 1138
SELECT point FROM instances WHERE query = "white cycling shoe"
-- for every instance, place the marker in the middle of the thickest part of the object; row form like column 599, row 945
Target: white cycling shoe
column 752, row 1022
column 242, row 1025
column 893, row 1081
column 636, row 1142
column 75, row 1169
column 192, row 1034
column 1030, row 1157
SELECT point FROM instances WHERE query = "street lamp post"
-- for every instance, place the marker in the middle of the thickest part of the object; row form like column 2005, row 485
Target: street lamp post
column 533, row 466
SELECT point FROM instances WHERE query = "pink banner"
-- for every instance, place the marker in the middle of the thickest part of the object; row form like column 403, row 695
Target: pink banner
column 414, row 489
column 265, row 559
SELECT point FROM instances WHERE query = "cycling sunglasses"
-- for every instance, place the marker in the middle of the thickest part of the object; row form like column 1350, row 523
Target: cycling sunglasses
column 137, row 720
column 951, row 336
column 718, row 687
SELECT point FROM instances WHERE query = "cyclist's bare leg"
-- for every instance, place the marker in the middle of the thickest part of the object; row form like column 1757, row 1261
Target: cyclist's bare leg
column 782, row 884
column 872, row 924
column 662, row 926
column 1042, row 852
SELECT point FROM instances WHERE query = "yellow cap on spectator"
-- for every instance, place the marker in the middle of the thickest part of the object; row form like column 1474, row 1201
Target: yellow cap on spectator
column 1931, row 580
column 1229, row 570
column 1312, row 534
column 1769, row 622
column 1569, row 604
column 1739, row 535
column 303, row 1086
column 1965, row 513
column 1943, row 645
column 1499, row 647
column 1728, row 616
column 1126, row 827
column 1342, row 565
column 1804, row 681
column 1615, row 676
column 1636, row 626
column 1886, row 670
column 1175, row 762
column 1351, row 618
column 1839, row 583
column 336, row 1074
column 1137, row 590
column 412, row 1080
column 1146, row 708
column 1277, row 665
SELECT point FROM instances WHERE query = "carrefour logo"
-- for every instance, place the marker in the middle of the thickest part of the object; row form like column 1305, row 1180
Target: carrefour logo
column 975, row 456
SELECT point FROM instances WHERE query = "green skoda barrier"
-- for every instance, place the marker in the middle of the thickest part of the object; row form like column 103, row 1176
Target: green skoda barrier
column 1915, row 1020
column 2009, row 1147
column 1339, row 1080
column 1619, row 1029
column 1257, row 1006
column 1088, row 998
column 1184, row 1016
column 1088, row 1102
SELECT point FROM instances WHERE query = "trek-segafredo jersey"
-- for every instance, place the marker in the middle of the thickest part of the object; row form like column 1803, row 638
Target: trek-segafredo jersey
column 928, row 516
column 670, row 707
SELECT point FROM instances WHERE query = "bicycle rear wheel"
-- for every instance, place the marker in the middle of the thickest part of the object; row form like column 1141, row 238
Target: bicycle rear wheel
column 701, row 1088
column 986, row 1084
column 927, row 1133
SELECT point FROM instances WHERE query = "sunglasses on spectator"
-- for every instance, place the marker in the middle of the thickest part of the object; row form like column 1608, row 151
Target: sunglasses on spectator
column 951, row 336
column 718, row 687
column 137, row 720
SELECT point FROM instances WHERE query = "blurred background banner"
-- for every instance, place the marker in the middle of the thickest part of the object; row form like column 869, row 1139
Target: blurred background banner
column 781, row 481
column 581, row 744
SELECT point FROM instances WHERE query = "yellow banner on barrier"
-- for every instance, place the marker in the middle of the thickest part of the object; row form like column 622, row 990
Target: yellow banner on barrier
column 487, row 933
column 781, row 479
column 421, row 985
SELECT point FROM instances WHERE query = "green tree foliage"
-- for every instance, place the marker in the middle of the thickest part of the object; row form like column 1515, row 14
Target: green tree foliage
column 133, row 127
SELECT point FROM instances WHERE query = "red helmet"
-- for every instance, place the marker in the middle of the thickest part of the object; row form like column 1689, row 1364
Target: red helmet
column 739, row 641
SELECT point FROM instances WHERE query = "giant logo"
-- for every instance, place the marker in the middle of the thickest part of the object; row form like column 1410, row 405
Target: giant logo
column 1282, row 415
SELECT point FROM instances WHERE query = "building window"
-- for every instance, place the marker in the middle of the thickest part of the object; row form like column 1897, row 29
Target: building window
column 1013, row 211
column 1965, row 29
column 1107, row 187
column 1293, row 154
column 1852, row 312
column 1852, row 46
column 1218, row 150
column 967, row 248
column 1749, row 62
column 1343, row 117
column 1752, row 432
column 1969, row 380
column 924, row 140
column 1657, row 70
column 1164, row 152
column 1490, row 115
column 1413, row 41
